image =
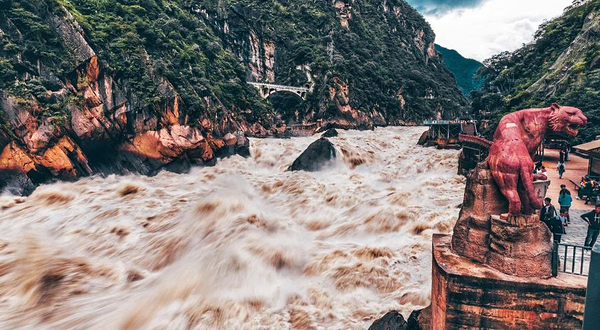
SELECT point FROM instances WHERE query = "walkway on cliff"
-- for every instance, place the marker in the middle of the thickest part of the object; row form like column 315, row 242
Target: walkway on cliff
column 265, row 89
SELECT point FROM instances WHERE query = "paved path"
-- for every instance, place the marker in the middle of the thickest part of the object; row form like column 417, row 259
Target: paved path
column 575, row 169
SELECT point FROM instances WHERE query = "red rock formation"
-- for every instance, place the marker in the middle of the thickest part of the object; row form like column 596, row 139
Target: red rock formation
column 103, row 127
column 64, row 159
column 348, row 117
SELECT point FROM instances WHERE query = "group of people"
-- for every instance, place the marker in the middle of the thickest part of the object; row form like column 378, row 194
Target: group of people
column 589, row 190
column 557, row 222
column 563, row 154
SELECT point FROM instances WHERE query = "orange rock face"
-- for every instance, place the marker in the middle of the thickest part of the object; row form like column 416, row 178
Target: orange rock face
column 348, row 117
column 167, row 144
column 106, row 125
column 230, row 139
column 63, row 159
column 15, row 159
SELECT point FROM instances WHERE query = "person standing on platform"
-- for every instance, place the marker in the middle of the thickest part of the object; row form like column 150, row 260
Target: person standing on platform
column 567, row 150
column 563, row 217
column 561, row 155
column 548, row 211
column 593, row 220
column 565, row 200
column 556, row 225
column 561, row 169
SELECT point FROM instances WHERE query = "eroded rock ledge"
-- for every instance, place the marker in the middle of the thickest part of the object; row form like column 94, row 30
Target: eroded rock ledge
column 105, row 134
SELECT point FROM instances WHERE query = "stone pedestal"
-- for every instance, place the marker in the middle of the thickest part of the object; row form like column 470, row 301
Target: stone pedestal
column 517, row 245
column 467, row 295
column 521, row 246
column 541, row 187
column 472, row 230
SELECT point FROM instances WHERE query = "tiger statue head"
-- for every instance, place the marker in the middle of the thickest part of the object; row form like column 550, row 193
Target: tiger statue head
column 565, row 121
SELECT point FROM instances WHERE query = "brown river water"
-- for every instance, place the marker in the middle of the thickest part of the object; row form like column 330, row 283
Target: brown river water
column 241, row 245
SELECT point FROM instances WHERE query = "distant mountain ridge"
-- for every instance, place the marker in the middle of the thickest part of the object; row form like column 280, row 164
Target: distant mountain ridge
column 464, row 69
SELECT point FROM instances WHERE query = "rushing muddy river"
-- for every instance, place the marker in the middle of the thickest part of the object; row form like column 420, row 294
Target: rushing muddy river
column 241, row 245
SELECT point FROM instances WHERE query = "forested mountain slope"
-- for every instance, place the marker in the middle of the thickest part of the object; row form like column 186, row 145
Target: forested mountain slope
column 463, row 69
column 562, row 65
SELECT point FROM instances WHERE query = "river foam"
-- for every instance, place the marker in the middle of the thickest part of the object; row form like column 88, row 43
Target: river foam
column 241, row 245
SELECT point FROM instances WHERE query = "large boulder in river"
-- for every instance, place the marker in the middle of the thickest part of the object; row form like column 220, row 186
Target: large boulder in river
column 390, row 321
column 315, row 156
column 418, row 320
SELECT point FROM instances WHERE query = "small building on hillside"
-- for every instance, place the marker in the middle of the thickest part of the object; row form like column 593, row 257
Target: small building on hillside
column 592, row 151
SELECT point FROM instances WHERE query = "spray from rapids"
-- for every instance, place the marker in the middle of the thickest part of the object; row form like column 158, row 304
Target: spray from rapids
column 241, row 245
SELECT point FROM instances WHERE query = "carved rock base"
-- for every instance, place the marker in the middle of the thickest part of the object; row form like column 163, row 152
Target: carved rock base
column 516, row 245
column 521, row 249
column 471, row 238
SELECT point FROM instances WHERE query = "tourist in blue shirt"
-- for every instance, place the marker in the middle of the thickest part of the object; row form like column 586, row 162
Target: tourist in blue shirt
column 565, row 200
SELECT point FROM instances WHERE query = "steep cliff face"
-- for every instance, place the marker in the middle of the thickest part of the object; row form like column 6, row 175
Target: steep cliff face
column 463, row 69
column 94, row 86
column 84, row 90
column 368, row 62
column 562, row 65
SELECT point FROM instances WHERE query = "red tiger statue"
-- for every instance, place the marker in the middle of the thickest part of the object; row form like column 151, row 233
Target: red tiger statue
column 518, row 136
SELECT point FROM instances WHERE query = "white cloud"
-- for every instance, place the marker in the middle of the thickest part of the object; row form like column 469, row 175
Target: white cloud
column 494, row 26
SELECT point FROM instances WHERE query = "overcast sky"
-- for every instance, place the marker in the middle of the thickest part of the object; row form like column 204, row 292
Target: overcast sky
column 481, row 28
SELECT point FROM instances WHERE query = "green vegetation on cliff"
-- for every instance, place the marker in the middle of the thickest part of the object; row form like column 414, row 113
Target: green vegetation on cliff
column 144, row 45
column 382, row 50
column 463, row 69
column 561, row 66
column 376, row 59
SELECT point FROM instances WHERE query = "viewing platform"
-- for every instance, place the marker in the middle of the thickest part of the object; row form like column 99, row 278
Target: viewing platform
column 469, row 295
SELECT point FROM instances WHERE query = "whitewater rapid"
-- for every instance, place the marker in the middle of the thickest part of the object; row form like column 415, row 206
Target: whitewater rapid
column 241, row 245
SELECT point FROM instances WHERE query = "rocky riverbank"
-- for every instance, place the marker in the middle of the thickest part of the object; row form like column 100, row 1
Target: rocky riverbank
column 418, row 320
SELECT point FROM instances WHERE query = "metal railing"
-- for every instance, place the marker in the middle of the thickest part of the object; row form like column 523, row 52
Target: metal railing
column 440, row 122
column 570, row 258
